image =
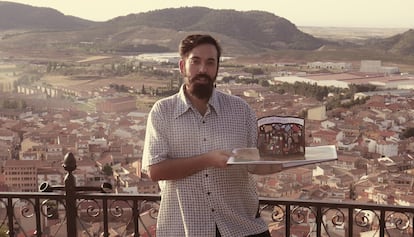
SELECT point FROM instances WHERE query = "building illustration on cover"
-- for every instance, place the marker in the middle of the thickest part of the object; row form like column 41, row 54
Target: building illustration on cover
column 281, row 136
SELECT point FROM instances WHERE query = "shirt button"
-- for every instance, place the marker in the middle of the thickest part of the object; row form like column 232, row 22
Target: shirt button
column 212, row 210
column 208, row 193
column 204, row 121
column 206, row 175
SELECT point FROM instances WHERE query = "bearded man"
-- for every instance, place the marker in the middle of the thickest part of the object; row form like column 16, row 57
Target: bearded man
column 189, row 138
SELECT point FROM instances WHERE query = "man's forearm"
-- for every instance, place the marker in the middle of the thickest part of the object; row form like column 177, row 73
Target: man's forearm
column 177, row 168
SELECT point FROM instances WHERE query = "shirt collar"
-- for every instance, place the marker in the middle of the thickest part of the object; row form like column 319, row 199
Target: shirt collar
column 184, row 103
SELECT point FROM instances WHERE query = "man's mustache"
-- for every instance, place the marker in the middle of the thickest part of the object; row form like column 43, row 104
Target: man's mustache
column 201, row 76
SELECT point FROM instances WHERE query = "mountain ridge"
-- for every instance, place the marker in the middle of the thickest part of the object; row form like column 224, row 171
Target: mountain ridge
column 16, row 16
column 244, row 32
column 259, row 27
column 398, row 44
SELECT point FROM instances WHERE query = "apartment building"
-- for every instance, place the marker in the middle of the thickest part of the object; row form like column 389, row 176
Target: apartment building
column 22, row 175
column 118, row 104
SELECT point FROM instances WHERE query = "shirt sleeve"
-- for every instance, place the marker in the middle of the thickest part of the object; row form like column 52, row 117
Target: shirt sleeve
column 155, row 144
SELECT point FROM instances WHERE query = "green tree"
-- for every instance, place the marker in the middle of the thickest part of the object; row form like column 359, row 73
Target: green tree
column 408, row 133
column 264, row 83
column 107, row 170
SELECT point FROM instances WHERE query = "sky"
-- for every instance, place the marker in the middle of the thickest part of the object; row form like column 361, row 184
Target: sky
column 333, row 13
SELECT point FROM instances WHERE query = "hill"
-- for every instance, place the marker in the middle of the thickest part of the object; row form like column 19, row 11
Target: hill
column 402, row 44
column 17, row 17
column 259, row 28
column 44, row 33
column 154, row 31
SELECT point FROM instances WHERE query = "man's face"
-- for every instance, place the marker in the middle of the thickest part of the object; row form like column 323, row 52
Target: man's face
column 199, row 70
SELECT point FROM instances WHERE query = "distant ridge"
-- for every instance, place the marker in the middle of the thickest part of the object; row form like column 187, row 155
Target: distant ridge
column 16, row 16
column 253, row 29
column 399, row 44
column 241, row 33
column 261, row 28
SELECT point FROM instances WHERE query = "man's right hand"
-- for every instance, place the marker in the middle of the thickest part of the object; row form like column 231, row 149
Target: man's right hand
column 219, row 158
column 178, row 168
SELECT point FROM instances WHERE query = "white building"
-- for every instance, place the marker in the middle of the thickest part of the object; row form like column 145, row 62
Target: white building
column 159, row 57
column 330, row 66
column 328, row 124
column 387, row 148
column 328, row 83
column 375, row 66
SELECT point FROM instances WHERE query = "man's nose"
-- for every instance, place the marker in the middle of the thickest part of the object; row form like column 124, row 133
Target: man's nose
column 202, row 68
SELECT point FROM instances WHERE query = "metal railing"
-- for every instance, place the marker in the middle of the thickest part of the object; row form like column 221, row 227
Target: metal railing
column 71, row 211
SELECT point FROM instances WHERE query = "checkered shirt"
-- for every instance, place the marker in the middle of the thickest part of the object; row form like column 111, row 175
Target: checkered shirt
column 194, row 205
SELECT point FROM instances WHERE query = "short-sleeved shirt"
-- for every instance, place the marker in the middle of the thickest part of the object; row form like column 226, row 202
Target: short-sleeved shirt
column 222, row 197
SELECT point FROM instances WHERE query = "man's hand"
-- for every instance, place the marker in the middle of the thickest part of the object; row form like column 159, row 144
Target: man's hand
column 218, row 159
column 177, row 168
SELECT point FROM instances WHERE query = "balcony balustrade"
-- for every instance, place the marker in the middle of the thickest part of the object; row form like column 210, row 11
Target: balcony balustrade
column 71, row 211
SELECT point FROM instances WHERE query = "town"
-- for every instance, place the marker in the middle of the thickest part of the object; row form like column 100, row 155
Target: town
column 107, row 138
column 365, row 109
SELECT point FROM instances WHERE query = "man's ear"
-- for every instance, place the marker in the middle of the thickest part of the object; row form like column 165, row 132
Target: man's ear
column 181, row 65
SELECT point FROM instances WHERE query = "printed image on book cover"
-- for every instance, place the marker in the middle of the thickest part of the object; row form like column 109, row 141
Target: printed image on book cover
column 281, row 137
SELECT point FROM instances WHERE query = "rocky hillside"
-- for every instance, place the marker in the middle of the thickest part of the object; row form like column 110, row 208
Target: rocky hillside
column 259, row 28
column 402, row 44
column 251, row 31
column 15, row 16
column 26, row 29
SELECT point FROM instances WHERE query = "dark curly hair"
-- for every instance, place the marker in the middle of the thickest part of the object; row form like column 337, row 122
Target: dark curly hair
column 192, row 41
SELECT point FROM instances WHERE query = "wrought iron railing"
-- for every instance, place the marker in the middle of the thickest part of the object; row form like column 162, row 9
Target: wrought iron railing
column 71, row 211
column 333, row 218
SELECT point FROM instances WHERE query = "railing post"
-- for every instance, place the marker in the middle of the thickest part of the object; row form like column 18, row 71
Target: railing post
column 69, row 164
column 10, row 217
column 70, row 188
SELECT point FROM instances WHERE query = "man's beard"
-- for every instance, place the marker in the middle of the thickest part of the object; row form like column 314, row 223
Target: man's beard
column 201, row 90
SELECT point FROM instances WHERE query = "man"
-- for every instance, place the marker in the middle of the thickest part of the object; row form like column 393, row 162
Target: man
column 188, row 141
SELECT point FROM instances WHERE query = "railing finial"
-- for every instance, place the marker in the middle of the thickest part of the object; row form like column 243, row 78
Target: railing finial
column 69, row 162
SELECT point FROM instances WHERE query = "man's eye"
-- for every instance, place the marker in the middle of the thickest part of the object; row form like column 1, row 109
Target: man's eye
column 194, row 61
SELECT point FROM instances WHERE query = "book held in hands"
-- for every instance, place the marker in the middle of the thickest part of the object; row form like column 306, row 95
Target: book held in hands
column 281, row 141
column 280, row 137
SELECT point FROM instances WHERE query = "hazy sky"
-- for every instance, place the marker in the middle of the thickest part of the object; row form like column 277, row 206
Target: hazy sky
column 355, row 13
